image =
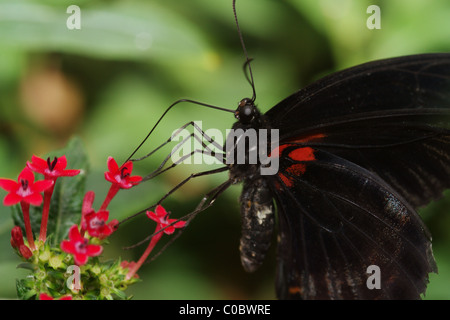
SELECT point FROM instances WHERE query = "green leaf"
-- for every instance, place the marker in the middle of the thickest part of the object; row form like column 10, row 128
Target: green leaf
column 25, row 289
column 27, row 265
column 121, row 30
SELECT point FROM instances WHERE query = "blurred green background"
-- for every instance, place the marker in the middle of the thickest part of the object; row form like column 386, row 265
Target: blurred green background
column 110, row 81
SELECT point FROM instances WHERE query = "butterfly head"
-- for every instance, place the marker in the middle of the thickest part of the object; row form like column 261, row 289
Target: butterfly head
column 246, row 111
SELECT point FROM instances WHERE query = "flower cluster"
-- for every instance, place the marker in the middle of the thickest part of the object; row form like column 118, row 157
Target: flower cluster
column 85, row 239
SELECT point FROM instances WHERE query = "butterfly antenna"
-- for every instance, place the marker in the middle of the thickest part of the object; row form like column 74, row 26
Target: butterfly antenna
column 164, row 114
column 247, row 59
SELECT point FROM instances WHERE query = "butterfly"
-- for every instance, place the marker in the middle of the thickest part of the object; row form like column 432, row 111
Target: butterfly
column 358, row 152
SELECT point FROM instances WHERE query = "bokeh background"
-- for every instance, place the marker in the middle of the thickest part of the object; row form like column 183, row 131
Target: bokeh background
column 110, row 81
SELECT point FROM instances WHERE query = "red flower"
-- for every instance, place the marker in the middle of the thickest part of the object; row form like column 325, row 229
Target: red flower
column 79, row 246
column 96, row 226
column 95, row 222
column 44, row 296
column 17, row 243
column 27, row 192
column 161, row 217
column 25, row 189
column 120, row 178
column 51, row 169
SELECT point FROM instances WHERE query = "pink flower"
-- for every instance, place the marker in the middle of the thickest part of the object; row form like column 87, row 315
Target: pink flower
column 121, row 176
column 51, row 169
column 79, row 246
column 25, row 189
column 162, row 218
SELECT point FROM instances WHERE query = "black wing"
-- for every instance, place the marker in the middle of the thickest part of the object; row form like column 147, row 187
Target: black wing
column 335, row 220
column 381, row 133
column 389, row 116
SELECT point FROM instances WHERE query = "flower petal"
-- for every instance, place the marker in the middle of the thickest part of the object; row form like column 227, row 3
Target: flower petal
column 67, row 246
column 180, row 224
column 103, row 215
column 9, row 185
column 94, row 250
column 110, row 177
column 42, row 185
column 34, row 199
column 128, row 165
column 11, row 199
column 112, row 165
column 74, row 234
column 135, row 179
column 37, row 164
column 169, row 230
column 27, row 175
column 153, row 216
column 61, row 163
column 70, row 172
column 160, row 211
column 80, row 258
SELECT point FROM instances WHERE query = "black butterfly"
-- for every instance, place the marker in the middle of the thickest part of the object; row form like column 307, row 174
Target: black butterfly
column 359, row 151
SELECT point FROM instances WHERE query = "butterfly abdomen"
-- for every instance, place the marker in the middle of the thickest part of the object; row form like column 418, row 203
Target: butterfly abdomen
column 257, row 212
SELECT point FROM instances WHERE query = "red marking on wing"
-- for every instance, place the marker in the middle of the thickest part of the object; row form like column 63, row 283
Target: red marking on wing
column 287, row 181
column 299, row 154
column 302, row 154
column 278, row 150
column 296, row 169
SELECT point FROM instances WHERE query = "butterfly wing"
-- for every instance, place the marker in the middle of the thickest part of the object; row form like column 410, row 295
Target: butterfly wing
column 336, row 220
column 381, row 145
column 389, row 116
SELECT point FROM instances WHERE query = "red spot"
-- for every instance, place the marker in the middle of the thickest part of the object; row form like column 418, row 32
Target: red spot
column 307, row 155
column 299, row 154
column 296, row 169
column 278, row 150
column 287, row 181
column 302, row 154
